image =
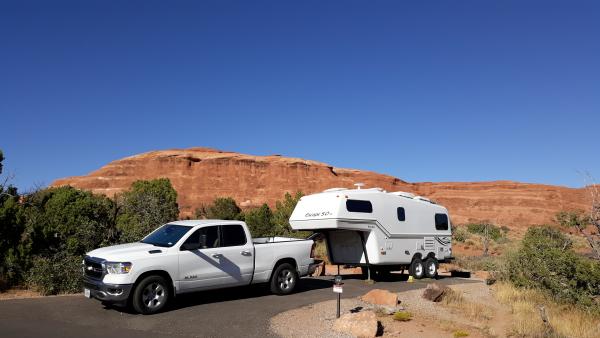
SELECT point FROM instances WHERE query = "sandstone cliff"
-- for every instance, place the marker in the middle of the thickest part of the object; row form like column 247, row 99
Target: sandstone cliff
column 200, row 174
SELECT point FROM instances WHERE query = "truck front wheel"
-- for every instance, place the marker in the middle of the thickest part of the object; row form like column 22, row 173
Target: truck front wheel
column 284, row 279
column 151, row 295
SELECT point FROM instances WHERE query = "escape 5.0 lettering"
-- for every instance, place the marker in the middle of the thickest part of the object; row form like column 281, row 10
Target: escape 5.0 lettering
column 318, row 214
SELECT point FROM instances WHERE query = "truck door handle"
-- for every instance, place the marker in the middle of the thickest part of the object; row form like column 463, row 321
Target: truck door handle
column 246, row 253
column 217, row 255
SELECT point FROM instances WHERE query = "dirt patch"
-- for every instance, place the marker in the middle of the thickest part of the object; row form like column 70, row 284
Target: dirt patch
column 19, row 293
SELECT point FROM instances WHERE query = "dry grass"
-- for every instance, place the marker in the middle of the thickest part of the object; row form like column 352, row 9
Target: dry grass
column 565, row 321
column 455, row 300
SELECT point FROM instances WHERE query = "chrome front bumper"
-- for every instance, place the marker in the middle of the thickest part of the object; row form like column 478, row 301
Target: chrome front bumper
column 111, row 293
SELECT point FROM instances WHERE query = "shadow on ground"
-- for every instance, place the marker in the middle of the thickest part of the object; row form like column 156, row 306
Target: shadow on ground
column 229, row 294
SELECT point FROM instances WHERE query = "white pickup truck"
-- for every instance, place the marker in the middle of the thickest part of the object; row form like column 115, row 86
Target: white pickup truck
column 193, row 255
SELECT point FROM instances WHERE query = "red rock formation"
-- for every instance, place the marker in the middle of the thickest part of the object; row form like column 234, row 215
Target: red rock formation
column 199, row 175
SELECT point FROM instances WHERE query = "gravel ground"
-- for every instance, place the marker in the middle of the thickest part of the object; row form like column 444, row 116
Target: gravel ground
column 430, row 319
column 314, row 320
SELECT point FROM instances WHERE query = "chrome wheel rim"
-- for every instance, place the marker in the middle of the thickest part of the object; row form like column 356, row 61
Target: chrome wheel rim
column 285, row 279
column 153, row 295
column 432, row 269
column 419, row 269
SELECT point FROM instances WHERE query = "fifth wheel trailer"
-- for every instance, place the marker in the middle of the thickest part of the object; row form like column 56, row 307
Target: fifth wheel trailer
column 378, row 230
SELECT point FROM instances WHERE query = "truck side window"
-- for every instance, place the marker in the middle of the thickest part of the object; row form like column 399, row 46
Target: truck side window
column 441, row 222
column 233, row 235
column 212, row 237
column 359, row 206
column 401, row 214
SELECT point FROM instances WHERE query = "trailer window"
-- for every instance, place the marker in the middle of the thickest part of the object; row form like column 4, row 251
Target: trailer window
column 401, row 215
column 233, row 235
column 359, row 206
column 441, row 222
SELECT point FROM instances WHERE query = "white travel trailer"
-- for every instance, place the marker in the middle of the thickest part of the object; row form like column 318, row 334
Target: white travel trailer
column 378, row 230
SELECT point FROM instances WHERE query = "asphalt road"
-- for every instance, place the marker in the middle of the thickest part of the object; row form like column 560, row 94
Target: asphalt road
column 236, row 312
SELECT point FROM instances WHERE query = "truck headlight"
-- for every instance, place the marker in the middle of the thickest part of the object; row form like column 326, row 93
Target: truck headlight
column 117, row 267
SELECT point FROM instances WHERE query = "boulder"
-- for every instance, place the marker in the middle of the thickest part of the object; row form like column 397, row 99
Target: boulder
column 381, row 297
column 359, row 324
column 435, row 292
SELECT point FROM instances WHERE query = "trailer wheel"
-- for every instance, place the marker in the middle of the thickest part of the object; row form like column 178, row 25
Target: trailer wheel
column 431, row 267
column 417, row 268
column 284, row 279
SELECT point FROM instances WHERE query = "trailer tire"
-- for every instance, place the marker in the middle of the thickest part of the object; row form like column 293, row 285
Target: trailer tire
column 417, row 268
column 151, row 295
column 284, row 279
column 431, row 267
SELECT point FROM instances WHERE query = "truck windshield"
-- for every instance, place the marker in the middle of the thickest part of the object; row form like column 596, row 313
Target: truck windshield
column 167, row 235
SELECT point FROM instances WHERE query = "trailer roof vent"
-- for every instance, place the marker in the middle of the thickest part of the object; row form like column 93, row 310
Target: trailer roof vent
column 403, row 194
column 359, row 185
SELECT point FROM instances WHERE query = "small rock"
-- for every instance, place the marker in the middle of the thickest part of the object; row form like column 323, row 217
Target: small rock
column 381, row 297
column 388, row 310
column 490, row 281
column 360, row 324
column 434, row 292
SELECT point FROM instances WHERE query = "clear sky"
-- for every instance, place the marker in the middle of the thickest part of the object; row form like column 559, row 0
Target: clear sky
column 422, row 90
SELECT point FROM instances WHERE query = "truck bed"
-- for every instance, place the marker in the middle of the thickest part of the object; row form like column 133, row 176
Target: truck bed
column 270, row 250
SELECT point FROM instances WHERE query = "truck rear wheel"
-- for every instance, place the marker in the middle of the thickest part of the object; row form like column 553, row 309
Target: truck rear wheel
column 417, row 269
column 284, row 279
column 151, row 295
column 431, row 267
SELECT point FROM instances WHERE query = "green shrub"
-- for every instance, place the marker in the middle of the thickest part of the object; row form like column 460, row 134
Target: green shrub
column 259, row 221
column 494, row 232
column 402, row 316
column 146, row 206
column 545, row 261
column 460, row 333
column 56, row 274
column 221, row 208
column 459, row 234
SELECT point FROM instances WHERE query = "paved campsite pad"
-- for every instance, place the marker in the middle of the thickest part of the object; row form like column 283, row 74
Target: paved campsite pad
column 229, row 312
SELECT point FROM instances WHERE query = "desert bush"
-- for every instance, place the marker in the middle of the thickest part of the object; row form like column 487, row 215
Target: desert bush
column 221, row 208
column 565, row 320
column 460, row 333
column 259, row 221
column 67, row 220
column 146, row 206
column 459, row 234
column 56, row 274
column 545, row 261
column 479, row 263
column 402, row 316
column 494, row 232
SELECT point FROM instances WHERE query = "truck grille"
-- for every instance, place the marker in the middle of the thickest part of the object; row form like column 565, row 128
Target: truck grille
column 92, row 268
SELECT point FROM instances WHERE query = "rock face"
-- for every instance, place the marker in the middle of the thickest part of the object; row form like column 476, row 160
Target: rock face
column 360, row 324
column 200, row 175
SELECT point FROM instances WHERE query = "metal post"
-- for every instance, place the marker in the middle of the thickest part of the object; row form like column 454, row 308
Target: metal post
column 339, row 296
column 338, row 305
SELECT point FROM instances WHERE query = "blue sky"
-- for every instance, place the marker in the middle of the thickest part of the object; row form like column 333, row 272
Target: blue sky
column 423, row 90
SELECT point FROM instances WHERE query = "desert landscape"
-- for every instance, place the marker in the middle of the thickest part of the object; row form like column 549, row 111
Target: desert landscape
column 201, row 174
